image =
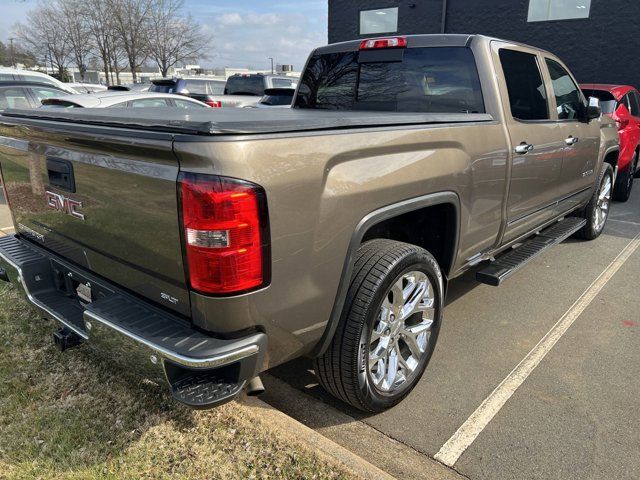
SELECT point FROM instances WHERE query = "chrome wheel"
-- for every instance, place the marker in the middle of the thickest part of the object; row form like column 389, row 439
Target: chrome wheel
column 601, row 211
column 401, row 332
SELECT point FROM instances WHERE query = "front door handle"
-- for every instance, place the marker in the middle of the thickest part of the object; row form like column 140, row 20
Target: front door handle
column 524, row 148
column 571, row 140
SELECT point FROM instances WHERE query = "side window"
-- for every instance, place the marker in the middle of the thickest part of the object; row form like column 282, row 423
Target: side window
column 187, row 104
column 527, row 94
column 568, row 99
column 147, row 103
column 13, row 98
column 633, row 102
column 43, row 92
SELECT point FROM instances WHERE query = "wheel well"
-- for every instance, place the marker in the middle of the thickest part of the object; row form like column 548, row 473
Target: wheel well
column 433, row 228
column 612, row 159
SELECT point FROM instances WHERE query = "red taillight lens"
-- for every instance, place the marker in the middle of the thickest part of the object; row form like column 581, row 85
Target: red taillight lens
column 224, row 224
column 214, row 103
column 389, row 42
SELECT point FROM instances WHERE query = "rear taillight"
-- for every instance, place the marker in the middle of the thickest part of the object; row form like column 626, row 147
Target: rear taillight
column 226, row 235
column 388, row 42
column 214, row 103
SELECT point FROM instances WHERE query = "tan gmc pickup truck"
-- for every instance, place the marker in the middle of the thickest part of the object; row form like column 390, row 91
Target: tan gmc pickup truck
column 204, row 248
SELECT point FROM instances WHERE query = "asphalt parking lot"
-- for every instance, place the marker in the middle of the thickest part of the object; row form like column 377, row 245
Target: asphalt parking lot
column 572, row 413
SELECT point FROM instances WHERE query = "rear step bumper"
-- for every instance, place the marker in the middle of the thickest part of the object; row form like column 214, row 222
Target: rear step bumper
column 202, row 371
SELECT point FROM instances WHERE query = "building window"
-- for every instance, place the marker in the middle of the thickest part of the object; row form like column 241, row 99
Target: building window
column 544, row 10
column 383, row 20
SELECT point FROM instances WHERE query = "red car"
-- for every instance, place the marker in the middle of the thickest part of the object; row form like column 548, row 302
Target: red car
column 622, row 103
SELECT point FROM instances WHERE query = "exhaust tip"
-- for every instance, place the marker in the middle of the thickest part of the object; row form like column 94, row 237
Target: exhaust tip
column 255, row 387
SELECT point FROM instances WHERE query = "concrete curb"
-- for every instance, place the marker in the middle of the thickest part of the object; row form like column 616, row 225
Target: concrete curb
column 317, row 442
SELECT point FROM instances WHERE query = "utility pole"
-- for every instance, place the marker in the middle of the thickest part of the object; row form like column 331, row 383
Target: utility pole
column 271, row 58
column 13, row 59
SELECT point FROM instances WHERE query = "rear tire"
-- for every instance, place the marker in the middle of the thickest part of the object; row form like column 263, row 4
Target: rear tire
column 388, row 329
column 597, row 210
column 624, row 182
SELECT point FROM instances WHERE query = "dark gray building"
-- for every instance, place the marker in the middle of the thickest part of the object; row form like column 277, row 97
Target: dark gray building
column 598, row 39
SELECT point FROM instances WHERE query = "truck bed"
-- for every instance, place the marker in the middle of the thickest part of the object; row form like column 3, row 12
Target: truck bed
column 239, row 121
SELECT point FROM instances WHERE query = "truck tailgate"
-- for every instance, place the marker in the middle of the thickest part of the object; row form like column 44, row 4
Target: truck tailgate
column 105, row 202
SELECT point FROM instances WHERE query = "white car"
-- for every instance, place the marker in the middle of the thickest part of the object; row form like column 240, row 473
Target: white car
column 114, row 98
column 12, row 74
column 87, row 87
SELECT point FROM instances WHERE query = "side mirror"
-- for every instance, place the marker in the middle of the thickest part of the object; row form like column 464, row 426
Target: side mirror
column 593, row 109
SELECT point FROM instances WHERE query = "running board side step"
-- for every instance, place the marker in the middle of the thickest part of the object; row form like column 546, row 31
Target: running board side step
column 509, row 263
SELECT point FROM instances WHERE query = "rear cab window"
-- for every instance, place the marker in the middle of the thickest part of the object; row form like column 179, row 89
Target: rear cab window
column 422, row 79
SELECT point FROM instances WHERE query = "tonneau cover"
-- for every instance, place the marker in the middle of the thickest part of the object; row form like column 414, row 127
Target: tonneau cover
column 234, row 121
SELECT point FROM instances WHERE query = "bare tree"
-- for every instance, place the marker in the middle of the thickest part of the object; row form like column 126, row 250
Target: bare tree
column 131, row 25
column 97, row 18
column 77, row 31
column 44, row 35
column 173, row 38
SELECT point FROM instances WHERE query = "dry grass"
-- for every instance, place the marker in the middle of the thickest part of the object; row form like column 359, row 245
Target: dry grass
column 64, row 415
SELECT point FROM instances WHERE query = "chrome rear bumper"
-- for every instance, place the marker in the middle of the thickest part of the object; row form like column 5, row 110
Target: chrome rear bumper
column 133, row 333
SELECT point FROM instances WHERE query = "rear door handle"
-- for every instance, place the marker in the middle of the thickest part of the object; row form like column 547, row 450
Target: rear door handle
column 524, row 148
column 571, row 140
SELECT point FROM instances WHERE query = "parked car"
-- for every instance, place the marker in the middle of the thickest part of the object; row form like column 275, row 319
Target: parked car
column 87, row 87
column 202, row 89
column 277, row 98
column 23, row 94
column 12, row 74
column 247, row 90
column 622, row 103
column 121, row 99
column 221, row 243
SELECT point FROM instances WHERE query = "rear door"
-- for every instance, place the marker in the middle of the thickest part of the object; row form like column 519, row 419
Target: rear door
column 536, row 146
column 103, row 198
column 581, row 139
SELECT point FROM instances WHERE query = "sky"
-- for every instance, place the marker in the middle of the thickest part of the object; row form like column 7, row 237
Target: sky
column 244, row 33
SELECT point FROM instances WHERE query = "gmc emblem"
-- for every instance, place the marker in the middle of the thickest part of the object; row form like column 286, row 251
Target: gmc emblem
column 65, row 205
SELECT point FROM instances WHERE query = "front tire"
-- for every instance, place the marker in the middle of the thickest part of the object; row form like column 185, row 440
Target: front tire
column 624, row 182
column 388, row 329
column 597, row 210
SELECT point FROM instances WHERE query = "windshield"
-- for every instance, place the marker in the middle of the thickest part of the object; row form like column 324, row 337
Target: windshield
column 249, row 85
column 434, row 80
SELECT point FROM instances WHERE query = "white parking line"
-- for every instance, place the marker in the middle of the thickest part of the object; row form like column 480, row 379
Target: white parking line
column 473, row 426
column 623, row 221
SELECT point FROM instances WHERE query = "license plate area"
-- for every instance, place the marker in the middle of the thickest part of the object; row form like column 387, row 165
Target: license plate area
column 76, row 285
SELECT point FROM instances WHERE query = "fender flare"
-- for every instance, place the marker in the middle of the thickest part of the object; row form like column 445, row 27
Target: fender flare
column 365, row 224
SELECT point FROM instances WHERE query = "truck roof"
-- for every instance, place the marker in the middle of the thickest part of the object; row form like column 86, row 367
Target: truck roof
column 423, row 40
column 230, row 121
